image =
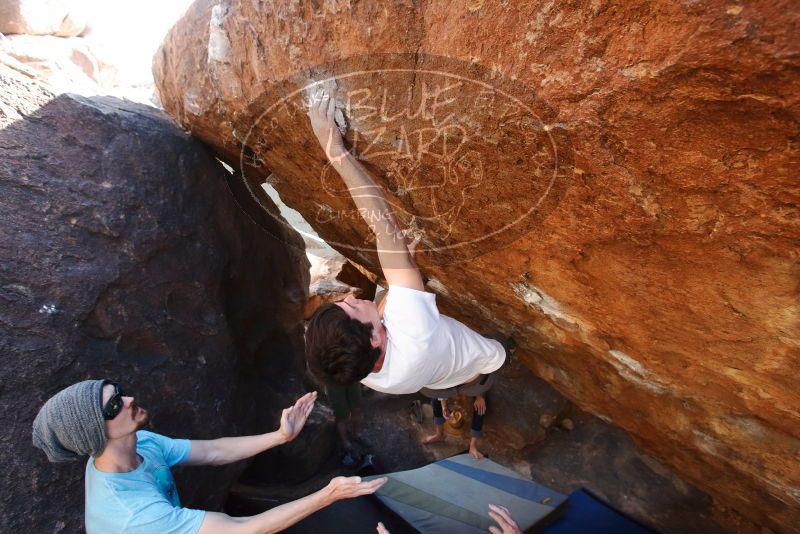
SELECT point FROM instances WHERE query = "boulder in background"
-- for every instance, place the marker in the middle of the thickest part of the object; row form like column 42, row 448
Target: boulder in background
column 64, row 18
column 656, row 282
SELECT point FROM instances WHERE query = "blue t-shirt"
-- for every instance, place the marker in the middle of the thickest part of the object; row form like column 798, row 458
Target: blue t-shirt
column 146, row 499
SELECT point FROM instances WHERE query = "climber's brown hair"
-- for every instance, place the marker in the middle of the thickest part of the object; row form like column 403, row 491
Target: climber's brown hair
column 338, row 347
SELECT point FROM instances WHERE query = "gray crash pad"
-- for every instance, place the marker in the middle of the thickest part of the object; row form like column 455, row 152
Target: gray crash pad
column 453, row 495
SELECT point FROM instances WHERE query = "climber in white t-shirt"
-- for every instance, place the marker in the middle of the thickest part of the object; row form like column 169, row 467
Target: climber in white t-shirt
column 415, row 347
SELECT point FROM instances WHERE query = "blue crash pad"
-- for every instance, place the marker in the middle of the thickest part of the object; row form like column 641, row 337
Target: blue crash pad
column 586, row 513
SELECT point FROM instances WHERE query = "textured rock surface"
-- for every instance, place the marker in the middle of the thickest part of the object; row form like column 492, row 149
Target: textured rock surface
column 61, row 63
column 65, row 18
column 324, row 267
column 332, row 279
column 126, row 255
column 359, row 278
column 656, row 286
column 327, row 291
column 513, row 418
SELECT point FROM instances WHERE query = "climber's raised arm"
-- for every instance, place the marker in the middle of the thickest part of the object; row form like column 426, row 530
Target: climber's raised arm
column 397, row 263
column 223, row 451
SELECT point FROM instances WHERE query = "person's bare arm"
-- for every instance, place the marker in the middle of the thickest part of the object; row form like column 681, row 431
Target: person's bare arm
column 227, row 450
column 397, row 262
column 286, row 515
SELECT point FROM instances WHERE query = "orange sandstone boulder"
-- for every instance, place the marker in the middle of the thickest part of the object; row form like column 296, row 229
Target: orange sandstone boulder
column 613, row 184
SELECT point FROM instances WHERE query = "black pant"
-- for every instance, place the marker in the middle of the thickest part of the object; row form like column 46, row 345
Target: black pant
column 477, row 419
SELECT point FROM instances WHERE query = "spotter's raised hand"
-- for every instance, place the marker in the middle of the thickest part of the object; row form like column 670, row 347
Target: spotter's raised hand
column 293, row 418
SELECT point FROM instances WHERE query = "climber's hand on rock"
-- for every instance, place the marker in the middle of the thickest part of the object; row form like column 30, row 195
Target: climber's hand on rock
column 504, row 519
column 321, row 111
column 382, row 529
column 480, row 405
column 348, row 487
column 293, row 419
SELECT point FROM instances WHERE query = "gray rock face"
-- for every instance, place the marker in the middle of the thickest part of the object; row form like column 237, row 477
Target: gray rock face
column 126, row 254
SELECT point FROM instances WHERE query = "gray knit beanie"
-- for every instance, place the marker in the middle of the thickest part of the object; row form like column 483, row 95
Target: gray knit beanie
column 71, row 424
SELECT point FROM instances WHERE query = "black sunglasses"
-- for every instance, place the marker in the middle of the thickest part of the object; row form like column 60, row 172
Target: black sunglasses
column 114, row 404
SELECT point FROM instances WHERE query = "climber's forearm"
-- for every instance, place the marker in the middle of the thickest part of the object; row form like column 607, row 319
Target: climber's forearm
column 224, row 451
column 371, row 203
column 397, row 262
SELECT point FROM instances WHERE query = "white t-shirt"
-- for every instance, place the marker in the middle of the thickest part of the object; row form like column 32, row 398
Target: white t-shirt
column 426, row 349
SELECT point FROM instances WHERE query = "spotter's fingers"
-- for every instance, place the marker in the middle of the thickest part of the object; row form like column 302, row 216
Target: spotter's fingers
column 372, row 486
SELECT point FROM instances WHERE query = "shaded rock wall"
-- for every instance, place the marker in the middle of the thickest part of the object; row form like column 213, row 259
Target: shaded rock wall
column 127, row 255
column 641, row 157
